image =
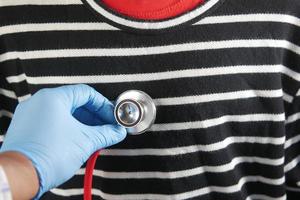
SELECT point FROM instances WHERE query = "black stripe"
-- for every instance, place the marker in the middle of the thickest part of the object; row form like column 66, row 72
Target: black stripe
column 4, row 123
column 204, row 111
column 21, row 88
column 162, row 186
column 169, row 139
column 258, row 6
column 149, row 63
column 293, row 195
column 7, row 103
column 293, row 127
column 165, row 186
column 291, row 153
column 118, row 39
column 290, row 86
column 3, row 83
column 45, row 14
column 191, row 160
column 210, row 110
column 186, row 86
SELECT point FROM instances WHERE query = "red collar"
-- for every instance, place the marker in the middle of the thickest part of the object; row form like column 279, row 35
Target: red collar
column 152, row 9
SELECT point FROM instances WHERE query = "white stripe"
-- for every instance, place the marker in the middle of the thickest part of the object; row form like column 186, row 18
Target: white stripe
column 37, row 2
column 68, row 192
column 259, row 117
column 265, row 197
column 118, row 78
column 291, row 141
column 292, row 189
column 17, row 78
column 1, row 137
column 259, row 17
column 184, row 195
column 298, row 92
column 121, row 78
column 189, row 172
column 291, row 73
column 21, row 28
column 153, row 25
column 12, row 95
column 287, row 97
column 205, row 97
column 23, row 98
column 209, row 122
column 292, row 164
column 8, row 93
column 292, row 118
column 193, row 148
column 6, row 113
column 218, row 97
column 155, row 50
column 90, row 26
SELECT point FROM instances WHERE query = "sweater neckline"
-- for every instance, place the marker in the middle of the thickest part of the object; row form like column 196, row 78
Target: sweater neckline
column 124, row 22
column 152, row 10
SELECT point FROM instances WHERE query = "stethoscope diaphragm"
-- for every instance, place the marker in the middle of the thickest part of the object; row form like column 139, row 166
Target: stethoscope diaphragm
column 135, row 110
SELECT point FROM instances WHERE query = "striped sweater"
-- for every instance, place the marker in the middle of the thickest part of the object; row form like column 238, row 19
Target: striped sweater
column 225, row 78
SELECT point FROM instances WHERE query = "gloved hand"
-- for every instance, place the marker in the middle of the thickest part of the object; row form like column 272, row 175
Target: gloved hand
column 58, row 129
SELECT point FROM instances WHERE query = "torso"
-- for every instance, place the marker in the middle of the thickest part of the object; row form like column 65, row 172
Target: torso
column 220, row 89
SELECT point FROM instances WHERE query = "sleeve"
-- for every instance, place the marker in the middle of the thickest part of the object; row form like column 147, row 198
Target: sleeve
column 292, row 148
column 10, row 93
column 8, row 100
column 291, row 94
column 5, row 192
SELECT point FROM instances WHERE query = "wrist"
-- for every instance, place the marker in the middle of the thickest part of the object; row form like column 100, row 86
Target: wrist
column 20, row 172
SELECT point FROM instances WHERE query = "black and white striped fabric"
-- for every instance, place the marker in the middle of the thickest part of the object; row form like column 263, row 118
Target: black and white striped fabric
column 225, row 78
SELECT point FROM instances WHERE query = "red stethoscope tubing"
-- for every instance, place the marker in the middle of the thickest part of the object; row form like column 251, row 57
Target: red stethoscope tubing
column 88, row 177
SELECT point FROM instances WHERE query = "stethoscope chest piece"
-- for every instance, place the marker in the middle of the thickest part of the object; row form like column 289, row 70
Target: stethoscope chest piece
column 135, row 110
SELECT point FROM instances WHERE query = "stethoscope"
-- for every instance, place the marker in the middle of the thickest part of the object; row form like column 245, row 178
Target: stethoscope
column 136, row 111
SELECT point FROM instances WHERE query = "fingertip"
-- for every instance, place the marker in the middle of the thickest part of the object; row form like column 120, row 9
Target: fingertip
column 116, row 134
column 121, row 132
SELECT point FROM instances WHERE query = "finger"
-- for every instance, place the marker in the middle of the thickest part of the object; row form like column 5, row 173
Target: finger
column 106, row 135
column 84, row 95
column 87, row 117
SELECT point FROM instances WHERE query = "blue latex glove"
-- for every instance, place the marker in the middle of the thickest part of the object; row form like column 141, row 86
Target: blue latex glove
column 58, row 129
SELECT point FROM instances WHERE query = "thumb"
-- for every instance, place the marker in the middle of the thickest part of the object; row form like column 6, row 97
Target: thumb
column 106, row 135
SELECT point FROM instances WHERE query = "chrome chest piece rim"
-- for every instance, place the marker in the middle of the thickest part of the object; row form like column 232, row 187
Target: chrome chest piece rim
column 135, row 110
